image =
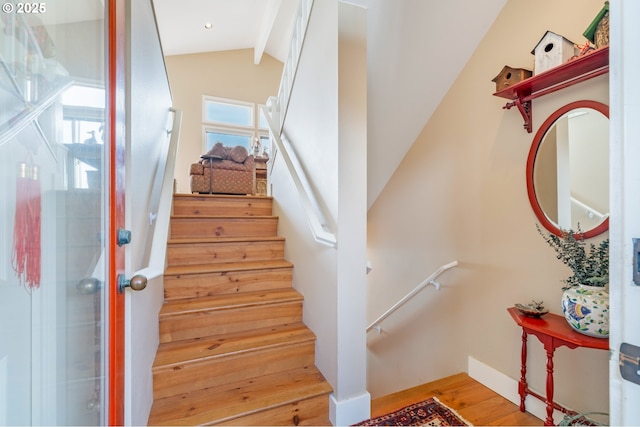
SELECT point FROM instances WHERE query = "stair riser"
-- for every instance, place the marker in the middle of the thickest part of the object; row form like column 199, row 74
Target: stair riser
column 211, row 253
column 223, row 227
column 307, row 412
column 228, row 402
column 208, row 284
column 169, row 381
column 208, row 323
column 222, row 206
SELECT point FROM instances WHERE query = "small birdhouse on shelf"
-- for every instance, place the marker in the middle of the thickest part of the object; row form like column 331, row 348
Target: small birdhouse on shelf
column 510, row 76
column 552, row 50
column 598, row 31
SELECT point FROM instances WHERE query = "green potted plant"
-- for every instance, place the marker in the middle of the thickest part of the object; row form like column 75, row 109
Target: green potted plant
column 585, row 297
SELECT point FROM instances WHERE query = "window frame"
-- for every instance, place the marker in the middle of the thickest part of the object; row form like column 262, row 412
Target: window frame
column 228, row 130
column 253, row 131
column 231, row 102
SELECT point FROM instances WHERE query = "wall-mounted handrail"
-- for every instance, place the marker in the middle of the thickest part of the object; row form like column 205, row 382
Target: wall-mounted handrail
column 431, row 280
column 319, row 228
column 156, row 263
column 275, row 112
column 590, row 210
column 157, row 255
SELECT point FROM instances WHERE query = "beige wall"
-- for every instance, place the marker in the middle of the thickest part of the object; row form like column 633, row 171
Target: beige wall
column 460, row 194
column 229, row 74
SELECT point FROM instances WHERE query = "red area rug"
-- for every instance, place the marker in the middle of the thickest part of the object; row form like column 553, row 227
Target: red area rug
column 430, row 412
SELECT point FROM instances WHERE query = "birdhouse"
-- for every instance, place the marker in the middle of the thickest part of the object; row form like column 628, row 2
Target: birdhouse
column 510, row 76
column 552, row 50
column 598, row 31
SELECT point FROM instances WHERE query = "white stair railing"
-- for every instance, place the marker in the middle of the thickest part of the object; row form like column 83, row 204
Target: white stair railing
column 156, row 261
column 431, row 280
column 275, row 112
column 162, row 196
column 293, row 57
column 317, row 223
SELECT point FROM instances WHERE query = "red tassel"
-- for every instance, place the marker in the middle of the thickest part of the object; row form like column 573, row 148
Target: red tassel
column 35, row 212
column 21, row 225
column 26, row 256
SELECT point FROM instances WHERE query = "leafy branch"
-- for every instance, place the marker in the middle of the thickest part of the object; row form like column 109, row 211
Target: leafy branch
column 589, row 267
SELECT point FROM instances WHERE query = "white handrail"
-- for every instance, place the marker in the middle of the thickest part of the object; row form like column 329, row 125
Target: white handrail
column 431, row 280
column 590, row 211
column 275, row 112
column 319, row 228
column 157, row 256
column 156, row 262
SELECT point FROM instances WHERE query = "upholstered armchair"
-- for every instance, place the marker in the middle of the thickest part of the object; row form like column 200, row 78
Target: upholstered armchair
column 223, row 170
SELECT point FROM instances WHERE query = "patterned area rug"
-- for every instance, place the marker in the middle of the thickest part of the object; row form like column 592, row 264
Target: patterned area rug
column 430, row 412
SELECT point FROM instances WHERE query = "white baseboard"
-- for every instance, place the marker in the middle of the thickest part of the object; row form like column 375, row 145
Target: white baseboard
column 349, row 411
column 507, row 387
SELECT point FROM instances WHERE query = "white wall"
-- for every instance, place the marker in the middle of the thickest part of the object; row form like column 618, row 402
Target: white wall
column 625, row 178
column 326, row 125
column 312, row 128
column 148, row 104
column 412, row 44
column 351, row 399
column 460, row 194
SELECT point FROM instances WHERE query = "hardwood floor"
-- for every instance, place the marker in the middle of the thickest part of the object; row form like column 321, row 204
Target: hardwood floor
column 473, row 401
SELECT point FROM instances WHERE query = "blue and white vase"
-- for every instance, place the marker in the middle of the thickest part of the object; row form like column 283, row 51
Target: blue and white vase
column 586, row 308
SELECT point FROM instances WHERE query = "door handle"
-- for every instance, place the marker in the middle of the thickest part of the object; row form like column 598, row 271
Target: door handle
column 89, row 285
column 137, row 282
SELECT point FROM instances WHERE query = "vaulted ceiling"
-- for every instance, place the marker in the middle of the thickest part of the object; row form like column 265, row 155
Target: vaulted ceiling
column 191, row 26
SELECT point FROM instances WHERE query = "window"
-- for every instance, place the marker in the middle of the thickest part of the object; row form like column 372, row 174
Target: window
column 83, row 110
column 234, row 123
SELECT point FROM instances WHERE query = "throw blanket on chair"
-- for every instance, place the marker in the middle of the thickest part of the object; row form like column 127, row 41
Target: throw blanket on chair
column 233, row 171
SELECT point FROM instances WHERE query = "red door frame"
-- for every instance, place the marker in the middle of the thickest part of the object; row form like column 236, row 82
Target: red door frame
column 116, row 188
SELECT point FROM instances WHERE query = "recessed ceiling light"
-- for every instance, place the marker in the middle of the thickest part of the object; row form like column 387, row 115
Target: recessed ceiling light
column 208, row 25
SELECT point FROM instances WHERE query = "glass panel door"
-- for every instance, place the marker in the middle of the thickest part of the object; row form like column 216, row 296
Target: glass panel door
column 52, row 221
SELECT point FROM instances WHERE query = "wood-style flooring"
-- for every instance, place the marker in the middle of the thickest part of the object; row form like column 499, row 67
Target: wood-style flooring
column 473, row 401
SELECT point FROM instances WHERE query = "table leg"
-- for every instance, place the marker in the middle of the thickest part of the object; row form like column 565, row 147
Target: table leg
column 549, row 420
column 522, row 385
column 210, row 176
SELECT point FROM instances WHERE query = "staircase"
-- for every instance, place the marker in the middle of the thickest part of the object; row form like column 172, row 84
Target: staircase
column 233, row 348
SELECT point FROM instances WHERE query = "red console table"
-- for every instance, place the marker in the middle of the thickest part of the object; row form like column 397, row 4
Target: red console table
column 553, row 331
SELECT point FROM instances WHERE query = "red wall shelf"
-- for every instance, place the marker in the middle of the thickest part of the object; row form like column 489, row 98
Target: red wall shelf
column 583, row 68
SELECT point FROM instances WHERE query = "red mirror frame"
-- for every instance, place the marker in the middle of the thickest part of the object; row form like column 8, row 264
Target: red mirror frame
column 535, row 145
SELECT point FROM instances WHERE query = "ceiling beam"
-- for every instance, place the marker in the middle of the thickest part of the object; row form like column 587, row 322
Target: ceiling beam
column 266, row 25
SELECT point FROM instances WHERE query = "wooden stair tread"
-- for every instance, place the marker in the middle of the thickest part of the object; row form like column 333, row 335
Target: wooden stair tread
column 223, row 217
column 213, row 239
column 197, row 349
column 228, row 301
column 233, row 346
column 227, row 267
column 220, row 196
column 212, row 405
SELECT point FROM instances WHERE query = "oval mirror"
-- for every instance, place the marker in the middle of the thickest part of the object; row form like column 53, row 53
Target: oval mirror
column 568, row 170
